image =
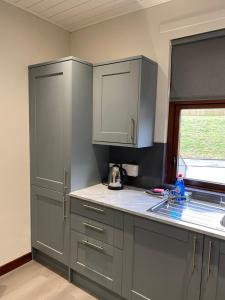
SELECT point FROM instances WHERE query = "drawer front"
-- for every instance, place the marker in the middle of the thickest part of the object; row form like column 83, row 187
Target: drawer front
column 96, row 230
column 163, row 229
column 98, row 261
column 97, row 212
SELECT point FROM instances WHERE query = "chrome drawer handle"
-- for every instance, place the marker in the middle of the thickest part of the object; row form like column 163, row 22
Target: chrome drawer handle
column 132, row 130
column 209, row 259
column 194, row 253
column 93, row 227
column 64, row 208
column 86, row 243
column 93, row 208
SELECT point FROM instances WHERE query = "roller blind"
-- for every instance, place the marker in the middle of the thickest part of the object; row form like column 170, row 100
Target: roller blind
column 198, row 67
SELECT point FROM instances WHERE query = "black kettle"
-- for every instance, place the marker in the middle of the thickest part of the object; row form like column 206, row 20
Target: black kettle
column 116, row 178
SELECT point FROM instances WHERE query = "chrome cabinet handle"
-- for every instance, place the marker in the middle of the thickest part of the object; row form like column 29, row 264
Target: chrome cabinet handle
column 194, row 253
column 65, row 173
column 86, row 243
column 209, row 259
column 93, row 227
column 93, row 208
column 64, row 208
column 132, row 130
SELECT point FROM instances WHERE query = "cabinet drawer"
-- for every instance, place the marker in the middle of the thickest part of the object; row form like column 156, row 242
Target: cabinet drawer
column 98, row 261
column 96, row 230
column 97, row 212
column 163, row 229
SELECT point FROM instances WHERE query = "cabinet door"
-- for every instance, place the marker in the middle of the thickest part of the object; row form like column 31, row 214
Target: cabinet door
column 98, row 261
column 213, row 274
column 50, row 226
column 116, row 95
column 160, row 261
column 221, row 273
column 50, row 94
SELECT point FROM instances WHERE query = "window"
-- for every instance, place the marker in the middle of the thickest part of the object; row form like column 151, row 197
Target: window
column 196, row 143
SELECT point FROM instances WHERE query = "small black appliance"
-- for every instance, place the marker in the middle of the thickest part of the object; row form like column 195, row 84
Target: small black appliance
column 116, row 178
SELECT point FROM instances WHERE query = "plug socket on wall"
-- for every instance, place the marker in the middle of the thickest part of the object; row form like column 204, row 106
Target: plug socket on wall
column 132, row 170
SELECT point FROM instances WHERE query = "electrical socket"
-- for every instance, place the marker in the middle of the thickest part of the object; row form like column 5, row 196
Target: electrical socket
column 132, row 170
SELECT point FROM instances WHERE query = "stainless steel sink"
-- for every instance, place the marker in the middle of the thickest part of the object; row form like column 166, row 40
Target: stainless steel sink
column 194, row 211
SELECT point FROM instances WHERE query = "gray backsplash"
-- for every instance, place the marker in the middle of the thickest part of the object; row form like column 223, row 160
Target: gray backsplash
column 151, row 161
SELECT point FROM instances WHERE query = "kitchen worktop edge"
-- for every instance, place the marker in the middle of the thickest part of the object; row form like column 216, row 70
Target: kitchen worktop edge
column 144, row 213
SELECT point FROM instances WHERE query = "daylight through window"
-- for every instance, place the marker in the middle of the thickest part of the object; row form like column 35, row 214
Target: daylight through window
column 202, row 144
column 196, row 143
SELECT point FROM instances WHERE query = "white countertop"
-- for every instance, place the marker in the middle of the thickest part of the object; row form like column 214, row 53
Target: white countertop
column 128, row 199
column 136, row 202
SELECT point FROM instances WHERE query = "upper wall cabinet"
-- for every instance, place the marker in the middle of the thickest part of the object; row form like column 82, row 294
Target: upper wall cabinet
column 124, row 102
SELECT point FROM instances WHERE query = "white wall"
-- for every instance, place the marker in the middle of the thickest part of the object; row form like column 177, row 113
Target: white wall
column 149, row 33
column 24, row 40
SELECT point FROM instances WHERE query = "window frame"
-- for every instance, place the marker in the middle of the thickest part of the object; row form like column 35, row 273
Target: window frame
column 175, row 108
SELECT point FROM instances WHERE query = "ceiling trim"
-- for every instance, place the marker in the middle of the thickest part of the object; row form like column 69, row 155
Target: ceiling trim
column 144, row 4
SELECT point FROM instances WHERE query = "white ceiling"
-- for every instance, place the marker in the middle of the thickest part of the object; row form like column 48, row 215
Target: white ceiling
column 76, row 14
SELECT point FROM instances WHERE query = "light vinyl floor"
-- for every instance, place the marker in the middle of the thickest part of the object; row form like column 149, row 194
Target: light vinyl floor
column 35, row 282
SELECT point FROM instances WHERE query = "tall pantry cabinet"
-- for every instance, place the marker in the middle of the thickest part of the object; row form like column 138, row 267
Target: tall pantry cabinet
column 61, row 152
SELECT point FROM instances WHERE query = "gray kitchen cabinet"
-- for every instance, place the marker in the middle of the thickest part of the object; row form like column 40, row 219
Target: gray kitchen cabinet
column 160, row 261
column 124, row 102
column 49, row 225
column 96, row 245
column 213, row 274
column 61, row 150
column 62, row 155
column 96, row 260
column 50, row 90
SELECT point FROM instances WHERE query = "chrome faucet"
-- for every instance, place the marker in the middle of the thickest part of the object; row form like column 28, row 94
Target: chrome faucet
column 170, row 197
column 222, row 202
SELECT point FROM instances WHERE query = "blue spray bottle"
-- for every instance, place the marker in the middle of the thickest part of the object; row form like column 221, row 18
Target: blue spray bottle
column 179, row 188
